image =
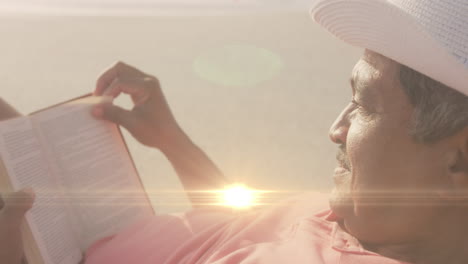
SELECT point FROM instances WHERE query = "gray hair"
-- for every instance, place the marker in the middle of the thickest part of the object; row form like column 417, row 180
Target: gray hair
column 439, row 111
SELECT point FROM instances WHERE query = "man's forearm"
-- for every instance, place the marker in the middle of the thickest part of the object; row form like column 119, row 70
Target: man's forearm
column 195, row 169
column 9, row 232
column 6, row 112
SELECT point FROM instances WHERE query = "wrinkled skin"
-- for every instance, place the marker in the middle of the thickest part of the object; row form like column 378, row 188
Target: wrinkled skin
column 392, row 192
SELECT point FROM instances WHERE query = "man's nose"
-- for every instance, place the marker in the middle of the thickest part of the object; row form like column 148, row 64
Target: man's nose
column 339, row 130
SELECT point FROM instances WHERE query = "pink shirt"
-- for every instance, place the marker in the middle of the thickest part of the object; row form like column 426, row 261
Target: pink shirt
column 296, row 231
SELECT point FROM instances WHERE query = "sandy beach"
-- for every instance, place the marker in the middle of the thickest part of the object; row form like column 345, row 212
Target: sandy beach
column 256, row 92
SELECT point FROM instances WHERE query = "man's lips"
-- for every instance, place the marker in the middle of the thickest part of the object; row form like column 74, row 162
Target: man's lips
column 341, row 175
column 342, row 158
column 341, row 170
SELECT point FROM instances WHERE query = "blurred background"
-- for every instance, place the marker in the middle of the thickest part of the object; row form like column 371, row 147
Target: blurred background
column 256, row 84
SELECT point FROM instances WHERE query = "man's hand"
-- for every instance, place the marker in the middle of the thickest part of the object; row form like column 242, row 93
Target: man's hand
column 150, row 121
column 11, row 216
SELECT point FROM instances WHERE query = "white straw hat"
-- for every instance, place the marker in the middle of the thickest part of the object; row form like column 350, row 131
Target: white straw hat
column 429, row 36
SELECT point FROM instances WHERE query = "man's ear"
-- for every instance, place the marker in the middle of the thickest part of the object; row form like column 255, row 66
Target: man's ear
column 458, row 166
column 459, row 171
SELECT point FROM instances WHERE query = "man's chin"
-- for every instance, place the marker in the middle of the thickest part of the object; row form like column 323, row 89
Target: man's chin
column 341, row 204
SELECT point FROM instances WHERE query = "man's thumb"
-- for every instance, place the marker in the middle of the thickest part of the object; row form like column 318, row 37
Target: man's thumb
column 114, row 114
column 18, row 203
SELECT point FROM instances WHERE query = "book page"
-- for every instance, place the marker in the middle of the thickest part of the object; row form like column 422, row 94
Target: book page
column 94, row 166
column 27, row 166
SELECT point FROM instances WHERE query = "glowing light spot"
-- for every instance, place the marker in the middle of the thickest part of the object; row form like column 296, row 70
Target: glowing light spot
column 237, row 65
column 238, row 196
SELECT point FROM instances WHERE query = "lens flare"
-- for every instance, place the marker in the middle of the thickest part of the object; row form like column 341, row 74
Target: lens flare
column 238, row 196
column 238, row 65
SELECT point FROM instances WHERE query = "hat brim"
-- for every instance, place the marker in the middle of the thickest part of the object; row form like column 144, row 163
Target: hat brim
column 384, row 28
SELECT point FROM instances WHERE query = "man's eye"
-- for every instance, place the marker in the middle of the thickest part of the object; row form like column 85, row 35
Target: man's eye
column 354, row 102
column 359, row 107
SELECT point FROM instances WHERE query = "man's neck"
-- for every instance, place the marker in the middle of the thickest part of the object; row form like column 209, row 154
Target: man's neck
column 420, row 254
column 446, row 243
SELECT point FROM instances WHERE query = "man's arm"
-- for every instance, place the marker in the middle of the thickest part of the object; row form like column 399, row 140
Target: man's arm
column 151, row 122
column 13, row 206
column 6, row 112
column 195, row 170
column 11, row 218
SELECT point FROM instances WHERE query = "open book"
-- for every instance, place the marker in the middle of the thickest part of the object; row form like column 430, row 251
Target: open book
column 85, row 181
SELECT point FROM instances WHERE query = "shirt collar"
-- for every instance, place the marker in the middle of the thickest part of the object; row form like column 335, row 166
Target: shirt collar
column 343, row 241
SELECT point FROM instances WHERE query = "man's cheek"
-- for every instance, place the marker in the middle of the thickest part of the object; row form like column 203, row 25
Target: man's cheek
column 360, row 209
column 365, row 199
column 366, row 210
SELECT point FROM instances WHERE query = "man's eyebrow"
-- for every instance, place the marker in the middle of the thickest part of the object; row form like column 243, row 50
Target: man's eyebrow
column 355, row 85
column 352, row 83
column 354, row 79
column 360, row 88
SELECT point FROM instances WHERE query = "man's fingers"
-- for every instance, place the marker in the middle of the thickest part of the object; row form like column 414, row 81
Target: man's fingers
column 18, row 203
column 139, row 89
column 114, row 114
column 104, row 81
column 118, row 70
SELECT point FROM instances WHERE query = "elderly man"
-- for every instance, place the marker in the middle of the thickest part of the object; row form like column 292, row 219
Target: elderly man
column 402, row 180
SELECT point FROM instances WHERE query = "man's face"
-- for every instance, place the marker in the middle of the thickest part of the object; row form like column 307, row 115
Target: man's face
column 387, row 184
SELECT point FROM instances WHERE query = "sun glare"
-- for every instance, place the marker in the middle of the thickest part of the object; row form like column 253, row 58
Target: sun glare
column 238, row 196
